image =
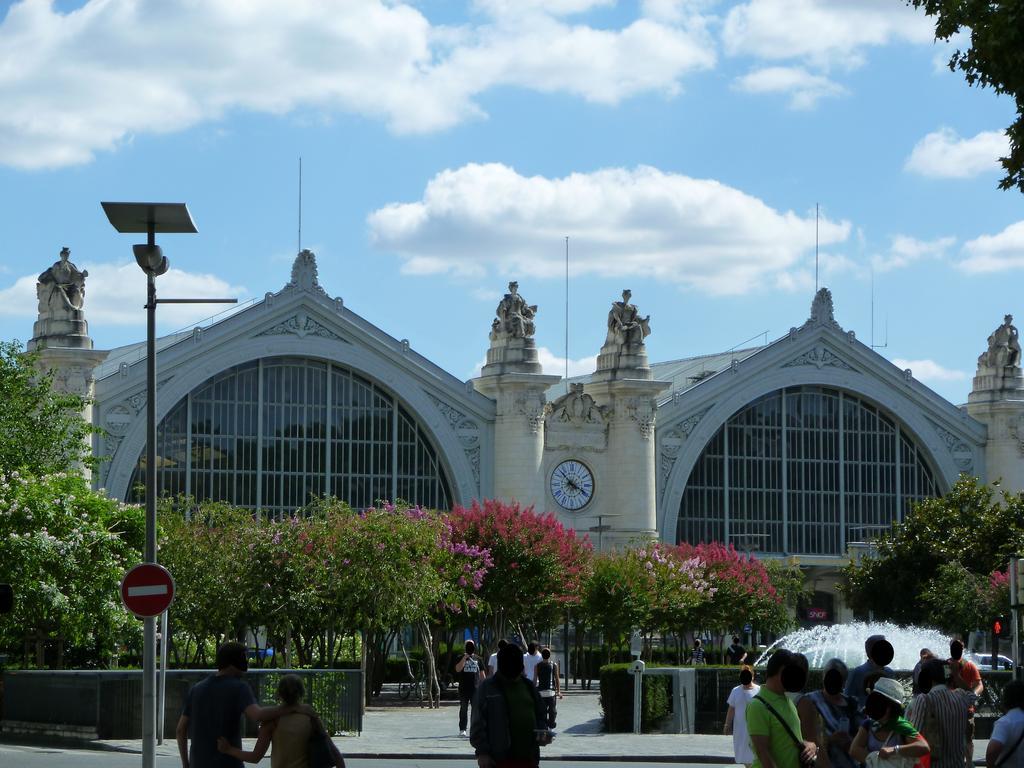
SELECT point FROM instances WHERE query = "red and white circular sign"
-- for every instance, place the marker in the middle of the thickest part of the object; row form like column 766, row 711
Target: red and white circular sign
column 147, row 590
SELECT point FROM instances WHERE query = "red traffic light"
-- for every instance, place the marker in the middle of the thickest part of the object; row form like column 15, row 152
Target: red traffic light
column 997, row 627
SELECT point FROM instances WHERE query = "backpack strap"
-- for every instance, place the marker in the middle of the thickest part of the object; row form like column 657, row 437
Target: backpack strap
column 798, row 742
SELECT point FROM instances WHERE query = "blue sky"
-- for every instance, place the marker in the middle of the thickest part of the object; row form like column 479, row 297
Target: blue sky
column 448, row 148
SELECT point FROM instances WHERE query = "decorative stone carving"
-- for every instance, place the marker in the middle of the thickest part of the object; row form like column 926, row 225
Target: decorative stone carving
column 641, row 410
column 576, row 407
column 963, row 456
column 61, row 319
column 467, row 432
column 512, row 349
column 530, row 405
column 624, row 354
column 820, row 357
column 673, row 439
column 304, row 273
column 301, row 325
column 822, row 311
column 576, row 421
column 1015, row 430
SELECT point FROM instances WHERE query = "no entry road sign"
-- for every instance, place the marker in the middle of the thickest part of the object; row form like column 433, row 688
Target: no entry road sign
column 147, row 590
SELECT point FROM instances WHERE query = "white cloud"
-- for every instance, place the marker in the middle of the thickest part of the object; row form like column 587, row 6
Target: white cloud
column 929, row 370
column 943, row 154
column 905, row 250
column 483, row 219
column 553, row 365
column 825, row 33
column 87, row 81
column 805, row 89
column 995, row 253
column 115, row 294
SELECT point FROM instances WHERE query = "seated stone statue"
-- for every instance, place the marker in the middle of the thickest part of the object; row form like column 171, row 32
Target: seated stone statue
column 1003, row 346
column 515, row 318
column 625, row 326
column 61, row 288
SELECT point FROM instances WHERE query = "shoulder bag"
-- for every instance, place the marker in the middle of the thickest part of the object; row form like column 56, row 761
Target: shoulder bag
column 799, row 744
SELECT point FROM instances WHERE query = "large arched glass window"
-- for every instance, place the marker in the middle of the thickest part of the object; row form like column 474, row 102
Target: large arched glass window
column 273, row 434
column 804, row 470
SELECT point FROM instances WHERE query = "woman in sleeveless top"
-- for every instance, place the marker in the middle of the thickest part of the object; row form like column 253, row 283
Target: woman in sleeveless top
column 829, row 718
column 288, row 735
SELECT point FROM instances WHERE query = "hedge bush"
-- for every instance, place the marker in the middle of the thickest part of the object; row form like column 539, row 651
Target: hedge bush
column 617, row 699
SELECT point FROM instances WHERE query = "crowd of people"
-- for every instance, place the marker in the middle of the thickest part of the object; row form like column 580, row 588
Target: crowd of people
column 864, row 717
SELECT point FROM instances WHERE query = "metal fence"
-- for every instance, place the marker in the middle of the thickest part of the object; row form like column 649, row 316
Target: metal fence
column 111, row 701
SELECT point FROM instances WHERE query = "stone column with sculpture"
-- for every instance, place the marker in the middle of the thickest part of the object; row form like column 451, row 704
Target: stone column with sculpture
column 997, row 400
column 60, row 334
column 512, row 377
column 623, row 386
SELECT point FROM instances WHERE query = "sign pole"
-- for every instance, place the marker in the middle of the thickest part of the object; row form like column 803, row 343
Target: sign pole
column 161, row 697
column 149, row 623
column 1016, row 588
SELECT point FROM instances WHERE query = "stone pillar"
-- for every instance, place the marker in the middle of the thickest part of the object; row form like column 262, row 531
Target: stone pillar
column 997, row 400
column 629, row 490
column 512, row 378
column 61, row 334
column 518, row 435
column 622, row 385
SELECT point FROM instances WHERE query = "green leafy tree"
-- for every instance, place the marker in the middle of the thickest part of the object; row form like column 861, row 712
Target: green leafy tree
column 994, row 59
column 968, row 527
column 41, row 431
column 64, row 548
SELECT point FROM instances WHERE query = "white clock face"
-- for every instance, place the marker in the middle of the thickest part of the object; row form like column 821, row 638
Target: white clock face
column 572, row 485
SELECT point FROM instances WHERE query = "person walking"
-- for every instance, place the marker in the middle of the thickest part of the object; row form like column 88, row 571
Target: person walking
column 697, row 654
column 214, row 708
column 772, row 719
column 507, row 726
column 545, row 677
column 737, row 653
column 290, row 735
column 531, row 659
column 1004, row 746
column 964, row 674
column 829, row 718
column 492, row 660
column 736, row 716
column 943, row 713
column 470, row 671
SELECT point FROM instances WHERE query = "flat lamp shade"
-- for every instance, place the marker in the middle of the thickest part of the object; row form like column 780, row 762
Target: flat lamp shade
column 140, row 217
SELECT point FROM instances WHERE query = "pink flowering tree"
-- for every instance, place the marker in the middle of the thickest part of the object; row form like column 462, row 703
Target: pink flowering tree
column 538, row 565
column 746, row 590
column 653, row 588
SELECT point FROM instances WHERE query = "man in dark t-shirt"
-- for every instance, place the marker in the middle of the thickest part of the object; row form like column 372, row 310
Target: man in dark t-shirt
column 737, row 653
column 214, row 707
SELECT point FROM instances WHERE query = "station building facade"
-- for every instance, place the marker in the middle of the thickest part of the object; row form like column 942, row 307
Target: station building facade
column 805, row 448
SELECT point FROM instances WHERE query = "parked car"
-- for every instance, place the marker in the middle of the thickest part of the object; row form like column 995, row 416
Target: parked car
column 984, row 660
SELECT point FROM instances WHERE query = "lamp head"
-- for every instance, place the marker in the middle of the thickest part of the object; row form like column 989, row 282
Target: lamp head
column 151, row 259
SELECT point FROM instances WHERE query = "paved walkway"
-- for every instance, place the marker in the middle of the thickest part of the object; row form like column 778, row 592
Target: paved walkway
column 407, row 731
column 410, row 731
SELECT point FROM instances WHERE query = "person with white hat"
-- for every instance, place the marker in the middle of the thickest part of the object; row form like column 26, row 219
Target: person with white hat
column 886, row 737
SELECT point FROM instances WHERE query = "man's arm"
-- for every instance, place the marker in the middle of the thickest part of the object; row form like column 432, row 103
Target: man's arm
column 461, row 662
column 478, row 736
column 763, row 749
column 558, row 681
column 992, row 752
column 181, row 734
column 263, row 714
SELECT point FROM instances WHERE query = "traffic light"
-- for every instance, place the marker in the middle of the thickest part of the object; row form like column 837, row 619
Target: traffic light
column 6, row 598
column 1002, row 626
column 1017, row 581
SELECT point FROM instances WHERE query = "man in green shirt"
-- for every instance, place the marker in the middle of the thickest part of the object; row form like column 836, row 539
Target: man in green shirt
column 775, row 736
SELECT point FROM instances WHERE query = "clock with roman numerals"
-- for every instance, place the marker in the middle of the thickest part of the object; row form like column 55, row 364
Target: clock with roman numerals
column 572, row 485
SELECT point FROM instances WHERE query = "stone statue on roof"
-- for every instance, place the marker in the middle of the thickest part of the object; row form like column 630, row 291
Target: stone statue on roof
column 1003, row 347
column 514, row 317
column 61, row 288
column 625, row 326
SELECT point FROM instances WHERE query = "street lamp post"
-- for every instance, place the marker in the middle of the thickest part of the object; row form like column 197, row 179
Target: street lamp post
column 152, row 218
